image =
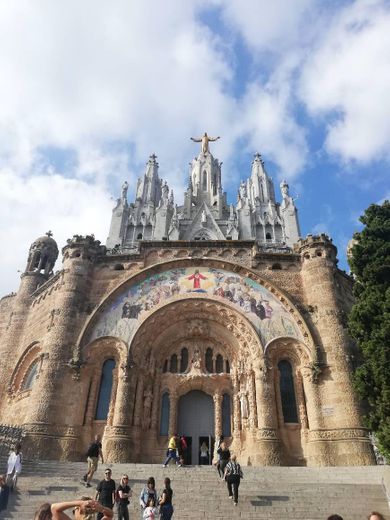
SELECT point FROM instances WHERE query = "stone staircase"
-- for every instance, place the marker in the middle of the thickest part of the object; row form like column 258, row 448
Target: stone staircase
column 288, row 493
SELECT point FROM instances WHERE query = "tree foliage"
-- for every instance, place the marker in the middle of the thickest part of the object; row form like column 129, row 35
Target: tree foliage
column 369, row 320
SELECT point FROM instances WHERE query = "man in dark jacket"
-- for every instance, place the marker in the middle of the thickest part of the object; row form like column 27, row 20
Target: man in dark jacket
column 93, row 454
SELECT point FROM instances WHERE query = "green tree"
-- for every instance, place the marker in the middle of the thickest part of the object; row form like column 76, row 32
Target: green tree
column 369, row 320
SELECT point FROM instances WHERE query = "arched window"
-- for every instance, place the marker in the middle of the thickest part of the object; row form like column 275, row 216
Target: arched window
column 268, row 236
column 209, row 361
column 219, row 364
column 184, row 360
column 139, row 236
column 226, row 416
column 227, row 367
column 204, row 184
column 31, row 376
column 173, row 367
column 165, row 366
column 164, row 417
column 105, row 389
column 287, row 392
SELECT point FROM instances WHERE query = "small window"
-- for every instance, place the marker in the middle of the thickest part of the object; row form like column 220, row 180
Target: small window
column 105, row 389
column 184, row 360
column 209, row 361
column 268, row 236
column 226, row 416
column 118, row 267
column 287, row 392
column 204, row 186
column 139, row 236
column 165, row 366
column 219, row 364
column 276, row 267
column 173, row 367
column 164, row 416
column 31, row 376
column 227, row 367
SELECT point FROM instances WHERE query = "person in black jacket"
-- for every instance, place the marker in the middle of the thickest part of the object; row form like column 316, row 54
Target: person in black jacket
column 105, row 492
column 224, row 457
column 93, row 454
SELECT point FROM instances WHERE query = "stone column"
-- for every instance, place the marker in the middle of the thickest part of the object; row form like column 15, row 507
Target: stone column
column 236, row 407
column 269, row 448
column 139, row 401
column 172, row 413
column 118, row 442
column 156, row 402
column 218, row 414
column 252, row 403
column 217, row 417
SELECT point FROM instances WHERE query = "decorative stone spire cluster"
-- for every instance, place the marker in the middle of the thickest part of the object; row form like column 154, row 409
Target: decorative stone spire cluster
column 205, row 214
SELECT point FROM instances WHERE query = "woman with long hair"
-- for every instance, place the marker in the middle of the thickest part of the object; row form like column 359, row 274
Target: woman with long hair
column 166, row 508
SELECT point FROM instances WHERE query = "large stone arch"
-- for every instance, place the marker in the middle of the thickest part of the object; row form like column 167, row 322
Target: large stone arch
column 290, row 319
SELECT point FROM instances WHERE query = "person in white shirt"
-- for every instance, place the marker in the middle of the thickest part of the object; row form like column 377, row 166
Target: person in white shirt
column 14, row 467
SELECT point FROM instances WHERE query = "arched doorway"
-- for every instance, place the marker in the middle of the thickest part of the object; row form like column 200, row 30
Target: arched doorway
column 196, row 422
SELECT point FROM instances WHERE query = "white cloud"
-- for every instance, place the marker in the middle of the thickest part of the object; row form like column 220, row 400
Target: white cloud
column 30, row 207
column 268, row 26
column 347, row 78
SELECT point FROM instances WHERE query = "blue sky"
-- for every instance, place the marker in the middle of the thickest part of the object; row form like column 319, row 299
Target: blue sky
column 89, row 90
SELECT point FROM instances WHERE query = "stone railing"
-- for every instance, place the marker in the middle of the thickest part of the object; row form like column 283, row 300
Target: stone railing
column 9, row 436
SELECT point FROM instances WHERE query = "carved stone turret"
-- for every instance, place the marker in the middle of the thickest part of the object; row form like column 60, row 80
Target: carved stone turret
column 42, row 255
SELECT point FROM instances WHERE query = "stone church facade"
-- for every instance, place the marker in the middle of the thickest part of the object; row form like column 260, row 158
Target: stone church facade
column 203, row 319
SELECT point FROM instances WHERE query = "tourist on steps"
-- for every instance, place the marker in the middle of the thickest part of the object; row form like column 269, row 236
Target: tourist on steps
column 105, row 492
column 151, row 511
column 14, row 466
column 124, row 493
column 224, row 457
column 166, row 508
column 233, row 476
column 216, row 453
column 148, row 492
column 172, row 452
column 83, row 509
column 93, row 454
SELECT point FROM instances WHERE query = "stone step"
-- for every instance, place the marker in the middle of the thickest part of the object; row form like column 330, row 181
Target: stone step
column 265, row 493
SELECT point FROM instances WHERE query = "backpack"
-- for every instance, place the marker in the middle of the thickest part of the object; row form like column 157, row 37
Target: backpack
column 94, row 447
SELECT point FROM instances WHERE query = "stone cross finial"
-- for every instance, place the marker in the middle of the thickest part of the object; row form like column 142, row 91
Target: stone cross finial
column 49, row 233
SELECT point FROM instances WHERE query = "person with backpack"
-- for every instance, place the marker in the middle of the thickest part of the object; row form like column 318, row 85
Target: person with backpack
column 233, row 476
column 122, row 495
column 148, row 492
column 93, row 454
